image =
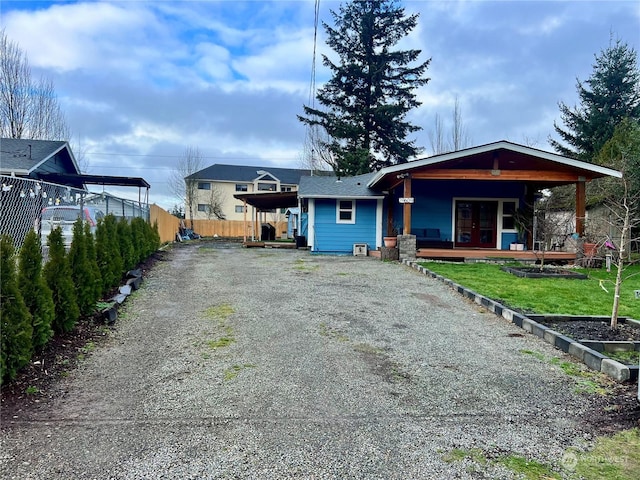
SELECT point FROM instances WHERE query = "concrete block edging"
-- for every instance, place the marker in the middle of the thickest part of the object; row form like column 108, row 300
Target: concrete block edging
column 593, row 359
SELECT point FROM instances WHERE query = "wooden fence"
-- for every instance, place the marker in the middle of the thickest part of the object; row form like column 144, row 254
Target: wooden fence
column 168, row 226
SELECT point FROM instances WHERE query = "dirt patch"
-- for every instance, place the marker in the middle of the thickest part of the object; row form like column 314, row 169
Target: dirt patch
column 595, row 330
column 34, row 384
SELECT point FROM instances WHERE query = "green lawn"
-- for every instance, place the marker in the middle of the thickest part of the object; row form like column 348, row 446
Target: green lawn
column 546, row 295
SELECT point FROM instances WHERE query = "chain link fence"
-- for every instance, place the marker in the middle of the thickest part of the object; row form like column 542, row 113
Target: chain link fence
column 25, row 204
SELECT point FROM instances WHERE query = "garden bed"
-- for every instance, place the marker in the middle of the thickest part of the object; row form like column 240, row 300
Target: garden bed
column 544, row 272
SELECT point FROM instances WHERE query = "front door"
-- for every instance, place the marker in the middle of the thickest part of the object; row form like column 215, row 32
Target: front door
column 476, row 224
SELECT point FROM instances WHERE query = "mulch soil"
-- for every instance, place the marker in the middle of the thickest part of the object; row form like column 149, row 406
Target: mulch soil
column 618, row 410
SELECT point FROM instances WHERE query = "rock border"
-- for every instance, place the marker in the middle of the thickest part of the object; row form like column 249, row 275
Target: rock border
column 591, row 358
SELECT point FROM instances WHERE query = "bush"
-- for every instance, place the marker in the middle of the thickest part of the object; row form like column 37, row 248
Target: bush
column 15, row 319
column 137, row 233
column 58, row 276
column 36, row 294
column 81, row 273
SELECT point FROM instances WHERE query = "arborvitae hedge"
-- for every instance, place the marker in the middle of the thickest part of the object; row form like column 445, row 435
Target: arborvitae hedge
column 108, row 252
column 15, row 319
column 58, row 276
column 81, row 270
column 96, row 277
column 137, row 232
column 36, row 294
column 125, row 238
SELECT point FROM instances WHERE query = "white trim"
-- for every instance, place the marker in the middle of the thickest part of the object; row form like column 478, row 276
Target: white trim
column 499, row 230
column 352, row 220
column 355, row 197
column 311, row 224
column 514, row 147
column 379, row 212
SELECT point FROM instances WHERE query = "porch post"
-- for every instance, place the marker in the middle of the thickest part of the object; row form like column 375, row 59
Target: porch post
column 244, row 219
column 580, row 206
column 406, row 208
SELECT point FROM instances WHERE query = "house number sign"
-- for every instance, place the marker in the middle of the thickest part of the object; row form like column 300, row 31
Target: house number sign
column 406, row 199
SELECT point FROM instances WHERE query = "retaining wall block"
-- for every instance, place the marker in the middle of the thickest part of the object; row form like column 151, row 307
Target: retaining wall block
column 578, row 350
column 594, row 359
column 615, row 370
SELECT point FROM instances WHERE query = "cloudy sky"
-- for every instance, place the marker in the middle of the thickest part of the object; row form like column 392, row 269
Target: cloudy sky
column 140, row 81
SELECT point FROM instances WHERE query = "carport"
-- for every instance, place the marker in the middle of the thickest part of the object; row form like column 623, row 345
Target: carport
column 264, row 202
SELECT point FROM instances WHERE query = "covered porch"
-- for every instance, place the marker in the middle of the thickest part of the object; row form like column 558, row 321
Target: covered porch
column 479, row 201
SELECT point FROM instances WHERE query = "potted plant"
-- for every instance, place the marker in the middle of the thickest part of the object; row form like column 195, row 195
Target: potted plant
column 391, row 241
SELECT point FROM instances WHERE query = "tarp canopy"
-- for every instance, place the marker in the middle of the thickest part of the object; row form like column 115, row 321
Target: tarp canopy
column 269, row 200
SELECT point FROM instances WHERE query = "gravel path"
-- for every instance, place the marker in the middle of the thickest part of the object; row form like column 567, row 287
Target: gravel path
column 249, row 363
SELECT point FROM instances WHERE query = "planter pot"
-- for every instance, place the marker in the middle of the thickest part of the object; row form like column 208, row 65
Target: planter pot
column 590, row 249
column 390, row 242
column 516, row 246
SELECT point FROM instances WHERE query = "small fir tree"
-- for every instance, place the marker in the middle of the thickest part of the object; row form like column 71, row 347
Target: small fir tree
column 15, row 319
column 37, row 295
column 58, row 276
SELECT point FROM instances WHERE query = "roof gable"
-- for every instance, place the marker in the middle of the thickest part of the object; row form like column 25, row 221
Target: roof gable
column 495, row 159
column 27, row 156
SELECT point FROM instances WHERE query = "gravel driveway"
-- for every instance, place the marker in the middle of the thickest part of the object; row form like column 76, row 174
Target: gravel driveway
column 250, row 363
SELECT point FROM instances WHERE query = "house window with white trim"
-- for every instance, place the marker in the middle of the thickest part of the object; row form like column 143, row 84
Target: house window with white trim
column 204, row 185
column 240, row 209
column 508, row 215
column 241, row 187
column 346, row 211
column 203, row 207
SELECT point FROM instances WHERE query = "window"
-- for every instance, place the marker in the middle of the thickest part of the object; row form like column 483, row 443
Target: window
column 203, row 207
column 204, row 186
column 267, row 187
column 508, row 212
column 240, row 209
column 241, row 187
column 286, row 189
column 345, row 211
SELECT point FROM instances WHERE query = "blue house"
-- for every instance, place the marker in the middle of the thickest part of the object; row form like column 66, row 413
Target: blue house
column 341, row 212
column 465, row 199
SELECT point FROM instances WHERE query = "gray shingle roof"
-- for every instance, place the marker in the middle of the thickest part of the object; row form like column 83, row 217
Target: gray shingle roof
column 15, row 153
column 332, row 187
column 244, row 173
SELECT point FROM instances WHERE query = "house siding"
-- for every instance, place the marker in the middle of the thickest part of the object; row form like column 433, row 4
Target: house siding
column 332, row 237
column 434, row 202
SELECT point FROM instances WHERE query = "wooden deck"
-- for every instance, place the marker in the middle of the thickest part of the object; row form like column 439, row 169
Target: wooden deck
column 461, row 254
column 259, row 244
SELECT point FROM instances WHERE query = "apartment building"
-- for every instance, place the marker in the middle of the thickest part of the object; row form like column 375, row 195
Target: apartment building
column 217, row 184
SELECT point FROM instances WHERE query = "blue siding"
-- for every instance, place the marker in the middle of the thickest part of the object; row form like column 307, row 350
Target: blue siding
column 433, row 207
column 339, row 237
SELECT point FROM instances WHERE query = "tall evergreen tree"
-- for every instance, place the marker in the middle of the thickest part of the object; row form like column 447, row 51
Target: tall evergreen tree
column 58, row 275
column 37, row 295
column 15, row 319
column 611, row 94
column 371, row 90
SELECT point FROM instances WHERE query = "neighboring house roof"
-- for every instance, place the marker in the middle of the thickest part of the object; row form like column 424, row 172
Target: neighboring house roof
column 332, row 187
column 511, row 156
column 23, row 157
column 244, row 173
